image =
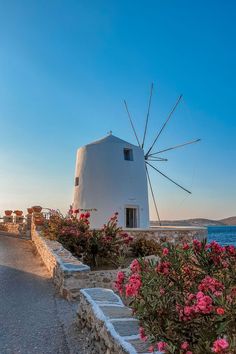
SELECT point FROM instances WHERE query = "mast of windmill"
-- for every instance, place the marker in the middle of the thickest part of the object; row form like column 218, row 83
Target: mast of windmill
column 153, row 157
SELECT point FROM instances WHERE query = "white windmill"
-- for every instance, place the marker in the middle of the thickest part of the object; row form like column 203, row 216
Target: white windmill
column 112, row 175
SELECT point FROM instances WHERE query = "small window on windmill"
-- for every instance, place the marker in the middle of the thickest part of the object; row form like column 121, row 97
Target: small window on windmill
column 128, row 154
column 76, row 181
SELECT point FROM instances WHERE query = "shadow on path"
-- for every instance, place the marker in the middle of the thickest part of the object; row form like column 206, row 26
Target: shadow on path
column 33, row 318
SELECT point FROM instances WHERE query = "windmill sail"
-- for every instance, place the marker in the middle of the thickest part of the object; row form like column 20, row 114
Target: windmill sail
column 131, row 122
column 175, row 147
column 163, row 126
column 148, row 112
column 153, row 157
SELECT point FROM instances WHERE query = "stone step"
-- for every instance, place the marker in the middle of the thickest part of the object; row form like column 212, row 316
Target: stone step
column 110, row 323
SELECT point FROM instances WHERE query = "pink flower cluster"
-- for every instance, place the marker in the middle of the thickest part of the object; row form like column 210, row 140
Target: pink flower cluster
column 211, row 285
column 125, row 237
column 231, row 250
column 163, row 267
column 85, row 216
column 220, row 345
column 142, row 334
column 215, row 247
column 220, row 255
column 198, row 278
column 185, row 346
column 197, row 245
column 196, row 304
column 165, row 251
column 135, row 266
column 119, row 283
column 163, row 346
column 133, row 285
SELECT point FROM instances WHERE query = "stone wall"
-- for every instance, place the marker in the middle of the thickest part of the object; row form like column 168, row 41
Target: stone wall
column 111, row 328
column 70, row 275
column 68, row 272
column 173, row 234
column 20, row 230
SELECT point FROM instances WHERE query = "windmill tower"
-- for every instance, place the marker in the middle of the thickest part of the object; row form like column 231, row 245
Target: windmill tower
column 111, row 177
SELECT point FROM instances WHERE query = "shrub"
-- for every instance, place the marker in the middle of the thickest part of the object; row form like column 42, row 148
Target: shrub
column 110, row 244
column 96, row 247
column 186, row 302
column 143, row 247
column 71, row 231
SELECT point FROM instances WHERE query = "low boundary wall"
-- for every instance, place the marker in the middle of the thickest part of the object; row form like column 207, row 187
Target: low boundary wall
column 20, row 230
column 172, row 234
column 66, row 270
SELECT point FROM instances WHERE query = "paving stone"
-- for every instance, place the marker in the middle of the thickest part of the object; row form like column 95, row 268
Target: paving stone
column 116, row 311
column 126, row 328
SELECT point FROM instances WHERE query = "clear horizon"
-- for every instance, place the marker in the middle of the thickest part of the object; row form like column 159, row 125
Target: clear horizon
column 65, row 69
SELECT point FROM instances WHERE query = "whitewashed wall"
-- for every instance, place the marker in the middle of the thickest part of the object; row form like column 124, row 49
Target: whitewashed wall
column 108, row 183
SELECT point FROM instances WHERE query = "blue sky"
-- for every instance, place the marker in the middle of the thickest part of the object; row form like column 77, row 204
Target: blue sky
column 65, row 68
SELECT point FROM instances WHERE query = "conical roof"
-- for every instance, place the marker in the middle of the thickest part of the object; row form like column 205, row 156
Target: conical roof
column 109, row 139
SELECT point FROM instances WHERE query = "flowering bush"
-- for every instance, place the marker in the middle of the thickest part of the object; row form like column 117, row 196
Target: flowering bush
column 108, row 245
column 186, row 302
column 71, row 231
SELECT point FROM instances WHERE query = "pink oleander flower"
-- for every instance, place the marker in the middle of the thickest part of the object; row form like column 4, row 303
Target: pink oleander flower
column 220, row 345
column 119, row 283
column 120, row 277
column 162, row 291
column 133, row 285
column 184, row 346
column 151, row 349
column 225, row 264
column 165, row 251
column 195, row 304
column 210, row 284
column 163, row 267
column 204, row 303
column 231, row 249
column 218, row 293
column 191, row 297
column 216, row 248
column 220, row 311
column 197, row 245
column 135, row 266
column 186, row 247
column 161, row 346
column 142, row 335
column 187, row 270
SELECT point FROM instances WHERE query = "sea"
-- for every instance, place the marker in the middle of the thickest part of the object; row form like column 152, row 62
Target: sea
column 225, row 235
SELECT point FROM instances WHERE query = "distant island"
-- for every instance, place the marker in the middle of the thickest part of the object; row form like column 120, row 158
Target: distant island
column 231, row 221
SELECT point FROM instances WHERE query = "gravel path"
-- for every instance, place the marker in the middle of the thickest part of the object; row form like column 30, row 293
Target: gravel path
column 33, row 318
